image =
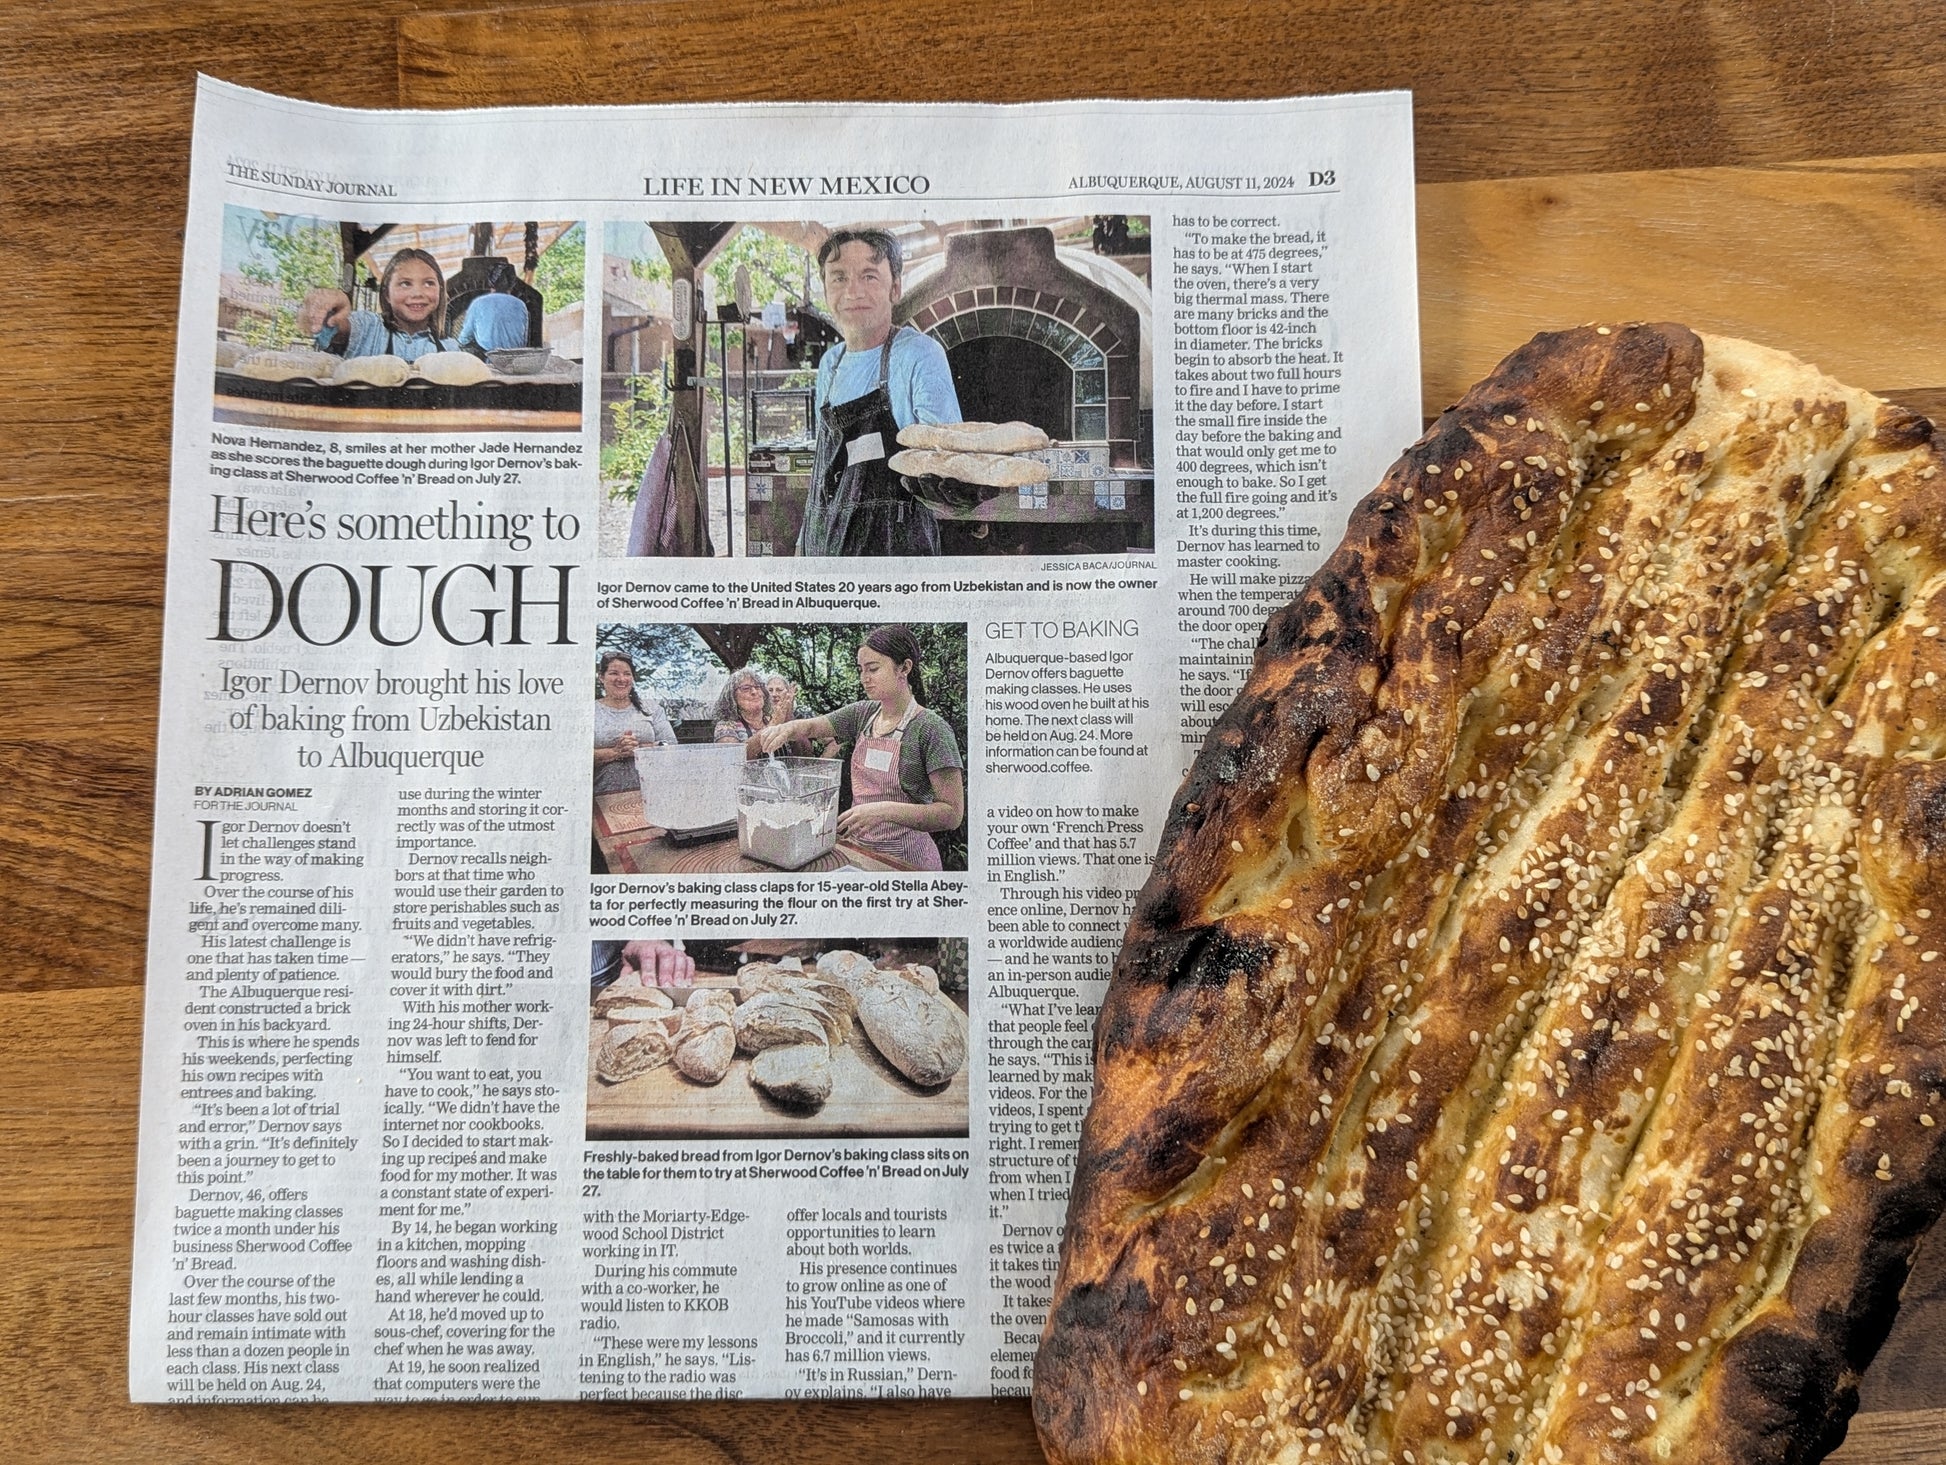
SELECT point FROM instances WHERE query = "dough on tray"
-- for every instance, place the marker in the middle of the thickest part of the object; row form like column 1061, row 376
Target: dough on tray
column 373, row 371
column 452, row 369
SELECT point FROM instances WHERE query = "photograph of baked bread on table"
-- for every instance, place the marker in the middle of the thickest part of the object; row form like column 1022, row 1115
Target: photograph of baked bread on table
column 1531, row 1046
column 759, row 380
column 769, row 1038
column 332, row 325
column 762, row 748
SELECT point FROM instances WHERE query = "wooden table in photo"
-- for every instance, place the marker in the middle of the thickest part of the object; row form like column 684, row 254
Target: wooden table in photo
column 539, row 404
column 633, row 846
column 1776, row 171
column 301, row 417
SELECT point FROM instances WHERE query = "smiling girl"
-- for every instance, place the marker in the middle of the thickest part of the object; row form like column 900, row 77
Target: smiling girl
column 908, row 781
column 411, row 313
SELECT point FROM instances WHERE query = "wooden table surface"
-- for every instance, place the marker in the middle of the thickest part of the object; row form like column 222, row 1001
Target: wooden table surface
column 633, row 846
column 1647, row 158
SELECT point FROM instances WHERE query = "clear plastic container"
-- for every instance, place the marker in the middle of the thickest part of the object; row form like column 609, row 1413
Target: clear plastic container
column 690, row 785
column 787, row 810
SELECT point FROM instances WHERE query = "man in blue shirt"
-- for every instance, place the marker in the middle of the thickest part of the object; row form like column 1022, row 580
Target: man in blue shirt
column 878, row 380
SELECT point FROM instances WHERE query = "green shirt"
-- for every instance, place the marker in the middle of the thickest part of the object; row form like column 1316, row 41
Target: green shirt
column 926, row 746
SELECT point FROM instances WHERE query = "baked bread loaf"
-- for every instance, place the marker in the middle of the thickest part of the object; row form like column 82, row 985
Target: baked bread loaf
column 1531, row 1044
column 627, row 994
column 974, row 437
column 706, row 1040
column 989, row 470
column 920, row 1033
column 629, row 1048
column 797, row 1075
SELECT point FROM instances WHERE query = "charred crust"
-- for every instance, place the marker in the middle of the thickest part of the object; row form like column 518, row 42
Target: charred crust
column 1203, row 956
column 1858, row 1326
column 1917, row 799
column 1899, row 427
column 1217, row 1033
column 1787, row 1395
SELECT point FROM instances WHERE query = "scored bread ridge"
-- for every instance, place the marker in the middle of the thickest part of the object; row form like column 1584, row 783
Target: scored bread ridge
column 1483, row 827
column 1535, row 1208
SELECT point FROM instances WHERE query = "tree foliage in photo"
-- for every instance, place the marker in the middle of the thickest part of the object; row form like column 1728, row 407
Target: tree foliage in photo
column 562, row 273
column 295, row 255
column 637, row 423
column 652, row 268
column 821, row 659
column 665, row 656
column 777, row 268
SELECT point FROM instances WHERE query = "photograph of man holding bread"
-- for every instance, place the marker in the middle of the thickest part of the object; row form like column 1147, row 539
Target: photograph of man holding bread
column 874, row 388
column 878, row 379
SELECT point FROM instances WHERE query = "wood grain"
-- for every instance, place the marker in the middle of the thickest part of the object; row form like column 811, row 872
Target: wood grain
column 1500, row 90
column 94, row 153
column 1836, row 262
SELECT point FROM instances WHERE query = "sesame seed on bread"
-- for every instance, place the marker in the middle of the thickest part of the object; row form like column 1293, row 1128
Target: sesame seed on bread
column 1531, row 1044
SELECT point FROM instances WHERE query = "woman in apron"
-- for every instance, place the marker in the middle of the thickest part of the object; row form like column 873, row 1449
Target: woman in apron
column 858, row 505
column 907, row 779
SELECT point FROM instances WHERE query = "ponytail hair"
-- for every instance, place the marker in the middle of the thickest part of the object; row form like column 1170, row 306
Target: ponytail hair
column 899, row 644
column 608, row 659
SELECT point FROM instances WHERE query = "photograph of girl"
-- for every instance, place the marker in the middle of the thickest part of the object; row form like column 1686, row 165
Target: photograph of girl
column 793, row 747
column 908, row 780
column 325, row 324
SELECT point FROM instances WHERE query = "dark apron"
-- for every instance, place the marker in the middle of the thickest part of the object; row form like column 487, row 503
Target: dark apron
column 858, row 505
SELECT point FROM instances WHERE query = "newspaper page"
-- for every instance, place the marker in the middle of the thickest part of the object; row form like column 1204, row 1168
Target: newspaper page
column 682, row 626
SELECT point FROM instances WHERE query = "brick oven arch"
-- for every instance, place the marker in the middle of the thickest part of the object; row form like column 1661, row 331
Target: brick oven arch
column 1010, row 285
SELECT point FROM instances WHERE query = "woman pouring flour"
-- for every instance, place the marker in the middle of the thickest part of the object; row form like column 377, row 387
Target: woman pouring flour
column 907, row 780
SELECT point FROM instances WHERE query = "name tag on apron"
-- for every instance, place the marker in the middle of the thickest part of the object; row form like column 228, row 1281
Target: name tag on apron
column 867, row 447
column 879, row 760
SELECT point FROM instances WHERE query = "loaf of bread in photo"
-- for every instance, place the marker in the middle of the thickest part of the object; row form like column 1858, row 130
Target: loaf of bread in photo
column 1531, row 1043
column 990, row 470
column 974, row 437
